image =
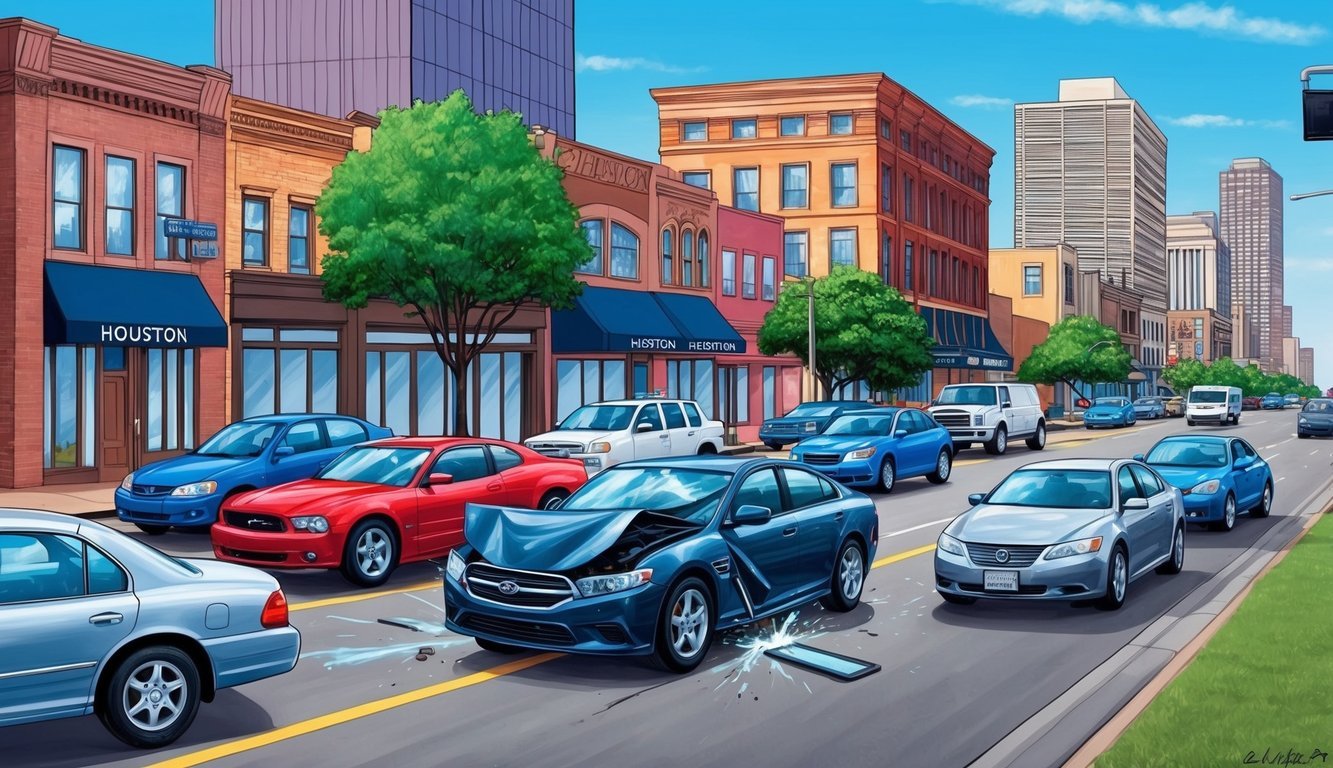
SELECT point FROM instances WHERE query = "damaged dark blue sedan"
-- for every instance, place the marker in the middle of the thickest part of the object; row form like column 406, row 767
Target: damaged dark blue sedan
column 652, row 558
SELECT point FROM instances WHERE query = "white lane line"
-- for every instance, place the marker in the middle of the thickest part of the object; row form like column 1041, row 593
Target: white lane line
column 1314, row 452
column 914, row 528
column 1280, row 479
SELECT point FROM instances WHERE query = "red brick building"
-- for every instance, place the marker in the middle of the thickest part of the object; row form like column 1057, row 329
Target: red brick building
column 110, row 335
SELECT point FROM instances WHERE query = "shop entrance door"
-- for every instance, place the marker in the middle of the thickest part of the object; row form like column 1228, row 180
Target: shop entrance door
column 115, row 406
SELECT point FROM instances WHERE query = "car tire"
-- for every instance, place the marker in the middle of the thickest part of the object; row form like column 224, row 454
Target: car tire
column 1228, row 520
column 961, row 446
column 943, row 468
column 997, row 445
column 152, row 530
column 1265, row 505
column 370, row 554
column 1038, row 439
column 1189, row 422
column 494, row 647
column 1302, row 436
column 848, row 579
column 553, row 496
column 773, row 446
column 1117, row 580
column 707, row 449
column 685, row 627
column 1176, row 563
column 888, row 475
column 957, row 599
column 127, row 708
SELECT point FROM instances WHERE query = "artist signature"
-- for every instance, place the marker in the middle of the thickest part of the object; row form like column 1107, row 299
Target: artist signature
column 1289, row 757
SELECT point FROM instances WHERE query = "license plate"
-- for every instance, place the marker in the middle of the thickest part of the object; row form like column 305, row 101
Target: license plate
column 1001, row 581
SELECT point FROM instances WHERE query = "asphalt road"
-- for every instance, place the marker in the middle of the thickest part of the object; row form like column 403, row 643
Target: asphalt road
column 955, row 680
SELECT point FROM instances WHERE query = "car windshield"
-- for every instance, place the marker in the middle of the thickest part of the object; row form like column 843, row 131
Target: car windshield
column 1057, row 488
column 858, row 424
column 1115, row 402
column 1189, row 453
column 1146, row 401
column 967, row 396
column 1318, row 406
column 380, row 465
column 687, row 494
column 811, row 410
column 244, row 438
column 1207, row 396
column 609, row 418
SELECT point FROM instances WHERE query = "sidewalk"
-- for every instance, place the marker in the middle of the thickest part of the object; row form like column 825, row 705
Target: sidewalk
column 89, row 500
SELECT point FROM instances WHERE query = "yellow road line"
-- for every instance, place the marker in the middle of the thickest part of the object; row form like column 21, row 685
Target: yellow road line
column 891, row 559
column 352, row 713
column 356, row 598
column 969, row 462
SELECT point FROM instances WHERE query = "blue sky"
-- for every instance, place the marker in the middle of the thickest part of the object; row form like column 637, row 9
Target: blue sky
column 1220, row 78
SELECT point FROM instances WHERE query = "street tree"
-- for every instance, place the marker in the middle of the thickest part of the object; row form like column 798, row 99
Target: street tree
column 455, row 217
column 864, row 330
column 1184, row 375
column 1068, row 355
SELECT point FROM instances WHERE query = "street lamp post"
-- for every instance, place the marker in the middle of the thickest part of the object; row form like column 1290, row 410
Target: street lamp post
column 814, row 377
column 1305, row 195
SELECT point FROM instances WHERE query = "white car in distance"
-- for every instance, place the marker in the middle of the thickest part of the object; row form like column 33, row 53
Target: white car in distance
column 605, row 434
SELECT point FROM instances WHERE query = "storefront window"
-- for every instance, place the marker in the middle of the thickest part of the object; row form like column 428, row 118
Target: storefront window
column 770, row 391
column 624, row 252
column 579, row 382
column 170, row 204
column 170, row 411
column 119, row 206
column 412, row 392
column 69, row 400
column 921, row 393
column 290, row 370
column 592, row 229
column 67, row 190
column 692, row 380
column 733, row 394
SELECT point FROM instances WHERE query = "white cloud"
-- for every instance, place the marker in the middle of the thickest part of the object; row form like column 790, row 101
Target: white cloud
column 599, row 63
column 1312, row 264
column 983, row 102
column 1192, row 16
column 1223, row 121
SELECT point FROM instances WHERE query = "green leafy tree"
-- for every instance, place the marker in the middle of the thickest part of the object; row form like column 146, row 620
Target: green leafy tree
column 457, row 218
column 1065, row 355
column 864, row 330
column 1224, row 372
column 1184, row 374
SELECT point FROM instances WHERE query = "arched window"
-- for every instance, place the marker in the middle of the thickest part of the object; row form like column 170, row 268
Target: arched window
column 624, row 252
column 687, row 257
column 704, row 279
column 595, row 231
column 667, row 269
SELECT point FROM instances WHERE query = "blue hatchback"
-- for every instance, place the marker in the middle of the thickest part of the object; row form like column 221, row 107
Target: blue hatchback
column 255, row 453
column 1217, row 474
column 879, row 447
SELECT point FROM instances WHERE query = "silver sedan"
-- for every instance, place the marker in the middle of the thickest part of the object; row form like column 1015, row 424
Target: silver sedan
column 97, row 622
column 1063, row 530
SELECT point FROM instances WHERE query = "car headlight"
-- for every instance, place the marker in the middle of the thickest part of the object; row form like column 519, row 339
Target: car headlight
column 593, row 586
column 312, row 523
column 1071, row 548
column 811, row 426
column 1303, row 420
column 599, row 447
column 128, row 483
column 978, row 420
column 951, row 545
column 1206, row 487
column 196, row 489
column 861, row 453
column 454, row 568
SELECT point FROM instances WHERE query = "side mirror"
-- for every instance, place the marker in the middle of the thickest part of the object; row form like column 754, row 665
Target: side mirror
column 900, row 433
column 1138, row 502
column 1082, row 402
column 751, row 514
column 933, row 403
column 283, row 450
column 1139, row 457
column 439, row 478
column 1243, row 462
column 643, row 426
column 976, row 498
column 1007, row 404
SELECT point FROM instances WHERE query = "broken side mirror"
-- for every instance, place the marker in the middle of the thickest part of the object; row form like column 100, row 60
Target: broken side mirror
column 751, row 514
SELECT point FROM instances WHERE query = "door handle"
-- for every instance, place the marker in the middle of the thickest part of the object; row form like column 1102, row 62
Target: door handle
column 664, row 437
column 789, row 531
column 105, row 619
column 837, row 516
column 136, row 427
column 495, row 487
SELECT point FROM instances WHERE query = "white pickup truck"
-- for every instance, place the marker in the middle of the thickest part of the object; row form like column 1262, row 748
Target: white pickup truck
column 605, row 434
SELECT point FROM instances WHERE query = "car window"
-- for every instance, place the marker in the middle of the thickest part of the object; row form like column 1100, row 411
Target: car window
column 675, row 418
column 1237, row 451
column 304, row 437
column 343, row 432
column 804, row 488
column 906, row 423
column 1004, row 396
column 505, row 458
column 466, row 463
column 1241, row 448
column 104, row 576
column 692, row 413
column 1147, row 481
column 918, row 421
column 1128, row 488
column 649, row 415
column 39, row 566
column 761, row 490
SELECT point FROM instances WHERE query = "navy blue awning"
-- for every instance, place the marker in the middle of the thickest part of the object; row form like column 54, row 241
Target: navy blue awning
column 619, row 320
column 965, row 341
column 119, row 307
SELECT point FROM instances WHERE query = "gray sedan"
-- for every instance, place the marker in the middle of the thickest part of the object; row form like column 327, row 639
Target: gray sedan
column 1063, row 530
column 97, row 622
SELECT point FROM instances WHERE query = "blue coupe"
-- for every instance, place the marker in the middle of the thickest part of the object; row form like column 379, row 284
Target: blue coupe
column 805, row 420
column 654, row 557
column 1217, row 474
column 255, row 453
column 1273, row 402
column 878, row 447
column 1110, row 412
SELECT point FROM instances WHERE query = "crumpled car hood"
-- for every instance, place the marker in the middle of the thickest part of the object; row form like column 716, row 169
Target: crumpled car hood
column 545, row 540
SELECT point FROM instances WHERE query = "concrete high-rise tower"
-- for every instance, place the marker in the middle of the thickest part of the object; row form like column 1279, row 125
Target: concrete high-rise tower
column 1251, row 219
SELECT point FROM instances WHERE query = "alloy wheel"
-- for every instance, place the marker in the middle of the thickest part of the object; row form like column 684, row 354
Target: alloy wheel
column 851, row 572
column 689, row 623
column 374, row 552
column 1119, row 576
column 1230, row 513
column 943, row 466
column 155, row 695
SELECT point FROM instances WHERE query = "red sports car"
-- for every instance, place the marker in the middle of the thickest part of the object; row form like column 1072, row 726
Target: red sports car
column 387, row 502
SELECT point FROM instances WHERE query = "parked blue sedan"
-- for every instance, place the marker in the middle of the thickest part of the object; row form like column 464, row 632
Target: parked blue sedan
column 654, row 557
column 1273, row 402
column 98, row 622
column 1217, row 474
column 879, row 447
column 805, row 420
column 1149, row 408
column 255, row 453
column 1110, row 412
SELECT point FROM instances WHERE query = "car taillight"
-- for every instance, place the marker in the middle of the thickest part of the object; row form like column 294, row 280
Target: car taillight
column 275, row 611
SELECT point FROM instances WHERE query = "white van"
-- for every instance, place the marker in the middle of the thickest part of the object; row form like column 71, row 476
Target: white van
column 991, row 414
column 1213, row 405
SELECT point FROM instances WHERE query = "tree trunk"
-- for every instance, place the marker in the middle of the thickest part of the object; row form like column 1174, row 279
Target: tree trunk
column 461, row 383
